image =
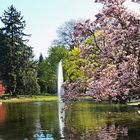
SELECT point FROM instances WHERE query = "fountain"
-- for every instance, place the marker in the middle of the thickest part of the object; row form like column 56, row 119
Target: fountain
column 60, row 92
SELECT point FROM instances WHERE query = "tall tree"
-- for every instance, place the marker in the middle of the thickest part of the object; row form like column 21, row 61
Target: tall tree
column 14, row 25
column 42, row 74
column 65, row 34
column 41, row 58
column 47, row 68
column 56, row 53
column 18, row 57
column 118, row 71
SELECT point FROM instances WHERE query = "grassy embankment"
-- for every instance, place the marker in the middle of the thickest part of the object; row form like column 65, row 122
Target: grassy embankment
column 29, row 99
column 26, row 98
column 134, row 103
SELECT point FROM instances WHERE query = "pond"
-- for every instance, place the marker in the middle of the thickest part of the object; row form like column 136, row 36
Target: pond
column 83, row 121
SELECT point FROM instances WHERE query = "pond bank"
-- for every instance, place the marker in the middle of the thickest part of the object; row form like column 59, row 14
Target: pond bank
column 134, row 103
column 29, row 99
column 46, row 98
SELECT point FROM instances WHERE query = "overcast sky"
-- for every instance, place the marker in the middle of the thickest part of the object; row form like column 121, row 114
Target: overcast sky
column 43, row 17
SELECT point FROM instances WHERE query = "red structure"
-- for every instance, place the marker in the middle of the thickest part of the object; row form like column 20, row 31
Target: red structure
column 2, row 88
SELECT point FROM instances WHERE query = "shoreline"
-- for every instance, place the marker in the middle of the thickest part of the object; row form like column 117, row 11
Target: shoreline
column 29, row 99
column 45, row 99
column 134, row 103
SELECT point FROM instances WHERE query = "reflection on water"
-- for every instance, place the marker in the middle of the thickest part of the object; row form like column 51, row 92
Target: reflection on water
column 106, row 132
column 61, row 115
column 29, row 120
column 42, row 135
column 84, row 121
column 2, row 113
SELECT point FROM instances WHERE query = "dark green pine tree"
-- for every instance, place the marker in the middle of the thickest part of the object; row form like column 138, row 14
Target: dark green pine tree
column 41, row 59
column 4, row 53
column 20, row 68
column 14, row 24
column 41, row 74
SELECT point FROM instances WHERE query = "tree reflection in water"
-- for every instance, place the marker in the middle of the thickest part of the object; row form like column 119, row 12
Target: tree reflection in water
column 88, row 121
column 83, row 121
column 3, row 113
column 107, row 132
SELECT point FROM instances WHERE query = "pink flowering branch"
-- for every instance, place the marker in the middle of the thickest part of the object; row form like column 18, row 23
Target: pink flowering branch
column 118, row 54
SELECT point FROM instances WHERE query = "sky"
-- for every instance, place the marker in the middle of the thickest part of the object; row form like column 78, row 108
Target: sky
column 43, row 17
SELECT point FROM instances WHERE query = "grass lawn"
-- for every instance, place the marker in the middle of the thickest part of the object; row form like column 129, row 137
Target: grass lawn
column 30, row 99
column 134, row 103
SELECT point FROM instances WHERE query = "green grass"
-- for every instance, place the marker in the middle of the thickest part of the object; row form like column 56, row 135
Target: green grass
column 134, row 103
column 30, row 99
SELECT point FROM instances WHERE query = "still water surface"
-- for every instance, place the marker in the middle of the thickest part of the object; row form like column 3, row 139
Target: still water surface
column 84, row 121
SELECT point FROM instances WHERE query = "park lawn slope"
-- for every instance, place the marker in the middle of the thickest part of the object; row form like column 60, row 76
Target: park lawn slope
column 30, row 99
column 134, row 103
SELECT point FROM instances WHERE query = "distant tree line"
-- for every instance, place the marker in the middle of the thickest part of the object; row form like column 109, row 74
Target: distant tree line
column 19, row 71
column 63, row 48
column 100, row 58
column 93, row 64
